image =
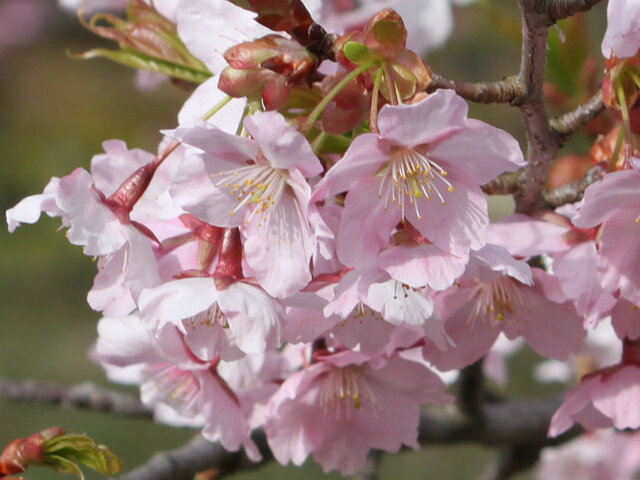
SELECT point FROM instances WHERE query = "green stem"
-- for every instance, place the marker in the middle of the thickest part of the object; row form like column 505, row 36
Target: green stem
column 216, row 108
column 373, row 110
column 626, row 121
column 318, row 142
column 319, row 108
column 613, row 161
column 391, row 86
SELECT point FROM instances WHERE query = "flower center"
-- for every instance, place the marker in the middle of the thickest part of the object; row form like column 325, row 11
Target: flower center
column 496, row 302
column 345, row 390
column 207, row 318
column 174, row 386
column 259, row 187
column 411, row 176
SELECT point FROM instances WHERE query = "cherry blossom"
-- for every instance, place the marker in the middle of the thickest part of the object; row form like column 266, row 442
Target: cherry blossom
column 267, row 198
column 347, row 403
column 423, row 168
column 622, row 37
column 604, row 398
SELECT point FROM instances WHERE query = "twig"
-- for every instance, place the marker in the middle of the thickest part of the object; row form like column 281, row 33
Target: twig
column 471, row 392
column 506, row 184
column 372, row 466
column 197, row 456
column 508, row 90
column 512, row 460
column 556, row 10
column 85, row 396
column 507, row 423
column 569, row 123
column 542, row 145
column 572, row 192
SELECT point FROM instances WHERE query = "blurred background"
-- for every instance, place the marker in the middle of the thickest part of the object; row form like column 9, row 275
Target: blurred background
column 55, row 113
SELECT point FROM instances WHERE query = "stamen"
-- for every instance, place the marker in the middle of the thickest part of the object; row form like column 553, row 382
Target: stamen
column 177, row 387
column 346, row 391
column 260, row 185
column 207, row 318
column 409, row 176
column 497, row 302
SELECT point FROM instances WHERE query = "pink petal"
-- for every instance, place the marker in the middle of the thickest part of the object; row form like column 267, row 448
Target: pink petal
column 279, row 249
column 364, row 157
column 524, row 236
column 422, row 265
column 625, row 318
column 366, row 224
column 615, row 191
column 482, row 151
column 438, row 116
column 458, row 225
column 620, row 254
column 618, row 397
column 283, row 146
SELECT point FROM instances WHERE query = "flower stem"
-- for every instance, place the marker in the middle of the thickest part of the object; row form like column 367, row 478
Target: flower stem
column 216, row 108
column 319, row 108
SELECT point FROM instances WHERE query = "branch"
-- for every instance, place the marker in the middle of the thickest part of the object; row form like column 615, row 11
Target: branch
column 569, row 123
column 572, row 192
column 84, row 396
column 471, row 392
column 507, row 423
column 512, row 460
column 372, row 466
column 542, row 145
column 556, row 10
column 508, row 90
column 197, row 456
column 506, row 184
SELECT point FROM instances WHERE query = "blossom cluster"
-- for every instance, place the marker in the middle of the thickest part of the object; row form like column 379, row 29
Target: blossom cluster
column 310, row 247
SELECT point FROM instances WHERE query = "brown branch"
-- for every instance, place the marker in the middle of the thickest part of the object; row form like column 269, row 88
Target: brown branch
column 512, row 460
column 372, row 466
column 506, row 423
column 508, row 90
column 572, row 192
column 569, row 123
column 506, row 184
column 84, row 396
column 197, row 456
column 555, row 10
column 542, row 145
column 471, row 392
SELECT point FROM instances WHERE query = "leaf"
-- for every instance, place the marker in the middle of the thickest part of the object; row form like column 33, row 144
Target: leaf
column 62, row 452
column 62, row 465
column 132, row 58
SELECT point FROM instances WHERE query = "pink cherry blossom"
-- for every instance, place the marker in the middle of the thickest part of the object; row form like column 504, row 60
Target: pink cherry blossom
column 346, row 403
column 604, row 398
column 218, row 397
column 258, row 184
column 425, row 166
column 622, row 37
column 216, row 321
column 574, row 254
column 599, row 455
column 614, row 202
column 429, row 23
column 95, row 209
column 484, row 303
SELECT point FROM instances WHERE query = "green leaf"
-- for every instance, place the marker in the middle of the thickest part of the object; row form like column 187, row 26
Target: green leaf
column 132, row 58
column 64, row 451
column 63, row 465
